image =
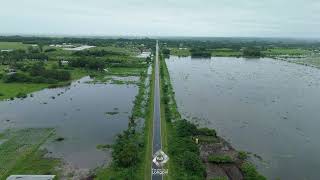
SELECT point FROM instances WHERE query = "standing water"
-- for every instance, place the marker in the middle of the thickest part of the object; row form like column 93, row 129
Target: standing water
column 267, row 107
column 84, row 114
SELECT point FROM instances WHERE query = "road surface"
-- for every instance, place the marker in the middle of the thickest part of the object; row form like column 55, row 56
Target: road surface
column 156, row 144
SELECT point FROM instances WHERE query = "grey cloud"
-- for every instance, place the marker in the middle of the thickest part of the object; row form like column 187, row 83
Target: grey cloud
column 287, row 18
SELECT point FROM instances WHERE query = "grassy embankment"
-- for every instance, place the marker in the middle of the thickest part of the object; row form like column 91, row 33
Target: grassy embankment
column 184, row 155
column 134, row 144
column 20, row 153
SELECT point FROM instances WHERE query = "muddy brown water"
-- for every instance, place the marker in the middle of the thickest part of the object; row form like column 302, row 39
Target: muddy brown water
column 264, row 106
column 78, row 112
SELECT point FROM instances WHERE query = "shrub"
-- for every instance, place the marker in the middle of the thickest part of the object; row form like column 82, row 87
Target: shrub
column 250, row 172
column 242, row 155
column 251, row 52
column 200, row 52
column 126, row 149
column 180, row 145
column 22, row 95
column 191, row 162
column 16, row 77
column 1, row 94
column 206, row 132
column 185, row 128
column 50, row 50
column 60, row 75
column 220, row 159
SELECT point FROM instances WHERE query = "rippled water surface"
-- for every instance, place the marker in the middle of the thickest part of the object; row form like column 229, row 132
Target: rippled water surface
column 78, row 113
column 268, row 107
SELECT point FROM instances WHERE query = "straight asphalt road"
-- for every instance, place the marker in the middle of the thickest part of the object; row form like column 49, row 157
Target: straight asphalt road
column 156, row 144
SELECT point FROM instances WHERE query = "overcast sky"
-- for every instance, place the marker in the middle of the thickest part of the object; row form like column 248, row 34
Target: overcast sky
column 264, row 18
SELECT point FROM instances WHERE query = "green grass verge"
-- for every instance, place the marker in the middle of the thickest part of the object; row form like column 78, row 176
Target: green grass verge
column 184, row 154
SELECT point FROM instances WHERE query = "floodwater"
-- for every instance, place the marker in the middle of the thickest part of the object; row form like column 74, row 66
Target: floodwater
column 264, row 106
column 78, row 113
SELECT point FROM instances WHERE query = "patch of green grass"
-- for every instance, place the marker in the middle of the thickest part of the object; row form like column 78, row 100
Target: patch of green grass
column 250, row 172
column 242, row 155
column 286, row 51
column 310, row 60
column 121, row 71
column 126, row 50
column 10, row 90
column 36, row 163
column 13, row 45
column 20, row 154
column 182, row 52
column 219, row 159
column 226, row 52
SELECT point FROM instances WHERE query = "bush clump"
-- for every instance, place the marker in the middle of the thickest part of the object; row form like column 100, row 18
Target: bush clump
column 249, row 171
column 191, row 162
column 219, row 159
column 186, row 128
column 206, row 132
column 21, row 95
column 242, row 155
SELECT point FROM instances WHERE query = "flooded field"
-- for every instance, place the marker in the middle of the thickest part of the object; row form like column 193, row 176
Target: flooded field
column 83, row 114
column 267, row 107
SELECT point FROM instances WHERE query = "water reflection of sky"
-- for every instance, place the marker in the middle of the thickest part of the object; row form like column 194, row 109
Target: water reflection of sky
column 79, row 115
column 264, row 106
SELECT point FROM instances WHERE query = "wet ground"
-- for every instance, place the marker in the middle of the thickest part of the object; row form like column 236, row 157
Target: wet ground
column 78, row 113
column 264, row 106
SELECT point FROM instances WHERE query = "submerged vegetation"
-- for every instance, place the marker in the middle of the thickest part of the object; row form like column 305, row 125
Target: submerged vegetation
column 20, row 153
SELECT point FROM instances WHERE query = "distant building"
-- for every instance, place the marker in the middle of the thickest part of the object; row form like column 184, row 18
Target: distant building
column 6, row 50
